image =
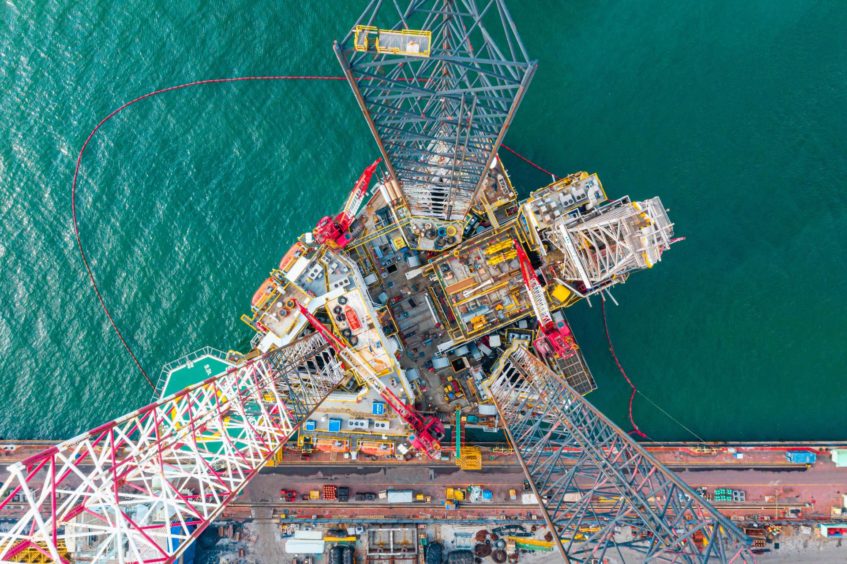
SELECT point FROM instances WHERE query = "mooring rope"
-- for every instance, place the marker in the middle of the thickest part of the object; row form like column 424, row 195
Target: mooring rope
column 100, row 124
column 635, row 430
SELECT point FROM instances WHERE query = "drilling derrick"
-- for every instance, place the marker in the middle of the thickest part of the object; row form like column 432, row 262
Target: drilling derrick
column 439, row 82
column 141, row 488
column 605, row 495
column 602, row 247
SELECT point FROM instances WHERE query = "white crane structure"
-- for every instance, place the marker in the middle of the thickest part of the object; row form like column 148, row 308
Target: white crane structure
column 141, row 488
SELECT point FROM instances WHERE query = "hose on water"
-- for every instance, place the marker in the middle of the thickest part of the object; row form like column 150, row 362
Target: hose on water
column 151, row 94
column 635, row 430
column 529, row 162
column 75, row 182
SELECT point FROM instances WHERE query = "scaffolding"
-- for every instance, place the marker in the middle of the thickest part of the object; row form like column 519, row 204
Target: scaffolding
column 604, row 495
column 439, row 82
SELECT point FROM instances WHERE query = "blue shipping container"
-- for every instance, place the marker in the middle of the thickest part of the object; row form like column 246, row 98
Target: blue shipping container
column 379, row 408
column 801, row 457
column 334, row 425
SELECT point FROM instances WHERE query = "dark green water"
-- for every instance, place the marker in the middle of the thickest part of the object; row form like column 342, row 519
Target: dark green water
column 733, row 112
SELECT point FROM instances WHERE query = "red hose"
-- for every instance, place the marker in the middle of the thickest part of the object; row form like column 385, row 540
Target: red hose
column 79, row 163
column 163, row 91
column 529, row 162
column 635, row 430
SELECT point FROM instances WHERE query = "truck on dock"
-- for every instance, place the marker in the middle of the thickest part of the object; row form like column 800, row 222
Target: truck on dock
column 343, row 493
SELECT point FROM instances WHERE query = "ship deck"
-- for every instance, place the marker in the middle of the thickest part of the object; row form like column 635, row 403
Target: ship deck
column 190, row 369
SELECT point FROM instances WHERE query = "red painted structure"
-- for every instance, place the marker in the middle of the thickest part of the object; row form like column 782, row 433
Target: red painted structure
column 557, row 340
column 335, row 231
column 427, row 430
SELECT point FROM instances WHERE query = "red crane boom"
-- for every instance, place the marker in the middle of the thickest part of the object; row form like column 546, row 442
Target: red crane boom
column 556, row 340
column 335, row 231
column 427, row 431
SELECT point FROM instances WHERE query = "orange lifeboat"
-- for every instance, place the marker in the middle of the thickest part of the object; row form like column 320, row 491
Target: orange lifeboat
column 352, row 318
column 265, row 289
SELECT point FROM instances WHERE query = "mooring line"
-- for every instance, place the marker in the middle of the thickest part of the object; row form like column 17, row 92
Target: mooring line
column 100, row 124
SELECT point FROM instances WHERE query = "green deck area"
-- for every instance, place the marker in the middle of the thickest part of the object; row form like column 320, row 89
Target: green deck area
column 190, row 369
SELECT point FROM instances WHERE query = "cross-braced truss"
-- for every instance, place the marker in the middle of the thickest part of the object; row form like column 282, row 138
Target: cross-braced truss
column 605, row 495
column 142, row 487
column 604, row 246
column 439, row 82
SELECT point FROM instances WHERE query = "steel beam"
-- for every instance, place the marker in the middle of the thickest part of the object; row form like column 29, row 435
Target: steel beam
column 141, row 488
column 603, row 494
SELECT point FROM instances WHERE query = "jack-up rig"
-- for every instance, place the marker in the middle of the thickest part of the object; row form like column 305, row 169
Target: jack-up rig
column 443, row 258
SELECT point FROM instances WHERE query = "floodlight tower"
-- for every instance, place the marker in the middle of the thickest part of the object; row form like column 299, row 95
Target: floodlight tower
column 438, row 82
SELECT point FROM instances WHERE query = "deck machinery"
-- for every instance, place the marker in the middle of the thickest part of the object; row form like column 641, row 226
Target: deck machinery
column 439, row 82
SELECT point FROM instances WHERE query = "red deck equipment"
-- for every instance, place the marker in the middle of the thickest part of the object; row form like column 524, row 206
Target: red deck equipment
column 557, row 340
column 335, row 231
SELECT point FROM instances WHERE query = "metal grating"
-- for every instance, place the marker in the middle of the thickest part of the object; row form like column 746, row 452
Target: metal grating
column 607, row 497
column 438, row 116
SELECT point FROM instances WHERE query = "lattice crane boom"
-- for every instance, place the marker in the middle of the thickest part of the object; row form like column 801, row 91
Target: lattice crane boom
column 141, row 488
column 603, row 493
column 438, row 83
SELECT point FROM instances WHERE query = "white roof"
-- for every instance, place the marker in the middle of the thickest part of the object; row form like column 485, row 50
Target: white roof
column 487, row 409
column 297, row 268
column 304, row 546
column 839, row 457
column 309, row 535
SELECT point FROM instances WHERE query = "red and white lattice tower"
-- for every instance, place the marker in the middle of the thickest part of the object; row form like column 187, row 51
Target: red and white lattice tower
column 141, row 488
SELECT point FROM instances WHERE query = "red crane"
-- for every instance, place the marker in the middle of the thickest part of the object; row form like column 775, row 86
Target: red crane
column 335, row 231
column 427, row 431
column 556, row 340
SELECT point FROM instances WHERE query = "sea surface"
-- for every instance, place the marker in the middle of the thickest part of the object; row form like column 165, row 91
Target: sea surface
column 733, row 112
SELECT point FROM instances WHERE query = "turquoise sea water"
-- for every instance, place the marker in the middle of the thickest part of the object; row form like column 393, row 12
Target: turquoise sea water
column 733, row 112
